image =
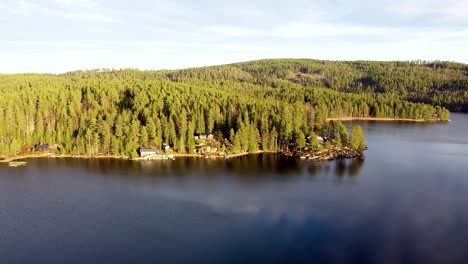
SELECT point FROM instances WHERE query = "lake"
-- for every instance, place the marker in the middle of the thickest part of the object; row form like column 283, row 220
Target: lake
column 405, row 202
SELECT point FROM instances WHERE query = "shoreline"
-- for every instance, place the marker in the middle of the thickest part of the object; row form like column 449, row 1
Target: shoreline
column 201, row 156
column 384, row 119
column 175, row 155
column 60, row 156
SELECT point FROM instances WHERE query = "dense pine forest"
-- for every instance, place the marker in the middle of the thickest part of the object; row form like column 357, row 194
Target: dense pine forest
column 262, row 105
column 437, row 83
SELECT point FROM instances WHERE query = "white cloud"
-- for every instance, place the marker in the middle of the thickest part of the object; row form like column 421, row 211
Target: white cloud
column 366, row 34
column 306, row 29
column 22, row 4
column 229, row 31
column 182, row 33
column 90, row 17
column 40, row 12
column 448, row 10
column 22, row 7
column 75, row 3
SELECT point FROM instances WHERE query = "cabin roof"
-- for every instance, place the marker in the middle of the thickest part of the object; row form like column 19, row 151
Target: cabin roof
column 148, row 150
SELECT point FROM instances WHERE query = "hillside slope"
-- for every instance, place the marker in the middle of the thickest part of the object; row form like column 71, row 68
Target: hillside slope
column 437, row 83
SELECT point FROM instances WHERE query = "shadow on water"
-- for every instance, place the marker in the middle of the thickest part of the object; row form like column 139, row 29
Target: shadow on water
column 349, row 167
column 261, row 167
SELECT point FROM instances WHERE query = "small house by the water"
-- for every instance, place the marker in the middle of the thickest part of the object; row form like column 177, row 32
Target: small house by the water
column 319, row 139
column 166, row 147
column 203, row 136
column 42, row 147
column 147, row 152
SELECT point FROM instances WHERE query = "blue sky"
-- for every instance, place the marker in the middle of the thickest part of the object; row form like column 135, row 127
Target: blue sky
column 62, row 35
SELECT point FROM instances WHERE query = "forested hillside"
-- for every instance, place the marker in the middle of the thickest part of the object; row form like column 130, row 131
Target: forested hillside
column 263, row 105
column 438, row 83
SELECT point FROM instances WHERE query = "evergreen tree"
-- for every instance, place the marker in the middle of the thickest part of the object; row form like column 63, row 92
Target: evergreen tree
column 115, row 146
column 144, row 137
column 342, row 133
column 235, row 141
column 300, row 139
column 314, row 142
column 357, row 139
column 190, row 138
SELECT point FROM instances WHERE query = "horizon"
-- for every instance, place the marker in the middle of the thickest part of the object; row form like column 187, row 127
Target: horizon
column 224, row 64
column 58, row 36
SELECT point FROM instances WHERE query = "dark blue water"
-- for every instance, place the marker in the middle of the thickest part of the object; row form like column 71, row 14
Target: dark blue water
column 406, row 202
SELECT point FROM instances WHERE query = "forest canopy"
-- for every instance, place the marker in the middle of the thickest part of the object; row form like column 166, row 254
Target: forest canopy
column 260, row 105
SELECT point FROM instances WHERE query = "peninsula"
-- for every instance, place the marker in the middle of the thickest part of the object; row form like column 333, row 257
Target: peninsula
column 292, row 107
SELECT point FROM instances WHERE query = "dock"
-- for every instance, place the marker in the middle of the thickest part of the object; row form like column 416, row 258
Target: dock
column 17, row 163
column 156, row 157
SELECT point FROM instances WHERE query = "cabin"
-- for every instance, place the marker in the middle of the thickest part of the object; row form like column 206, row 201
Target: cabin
column 319, row 138
column 42, row 147
column 144, row 152
column 166, row 147
column 204, row 136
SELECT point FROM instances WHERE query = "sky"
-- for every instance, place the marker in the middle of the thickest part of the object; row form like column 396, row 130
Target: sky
column 57, row 36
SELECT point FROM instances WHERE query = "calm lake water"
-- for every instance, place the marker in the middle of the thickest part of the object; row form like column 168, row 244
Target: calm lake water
column 406, row 202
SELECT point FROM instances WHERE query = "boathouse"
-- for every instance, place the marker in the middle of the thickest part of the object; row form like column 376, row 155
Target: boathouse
column 42, row 147
column 144, row 152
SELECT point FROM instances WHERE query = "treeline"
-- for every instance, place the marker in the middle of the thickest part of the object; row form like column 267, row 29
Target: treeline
column 116, row 112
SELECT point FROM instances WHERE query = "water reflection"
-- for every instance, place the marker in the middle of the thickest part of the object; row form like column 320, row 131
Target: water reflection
column 250, row 168
column 349, row 167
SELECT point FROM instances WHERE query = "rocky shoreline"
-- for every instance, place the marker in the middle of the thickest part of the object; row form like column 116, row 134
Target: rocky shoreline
column 326, row 154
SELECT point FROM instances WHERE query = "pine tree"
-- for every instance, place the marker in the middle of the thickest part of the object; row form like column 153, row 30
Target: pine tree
column 15, row 146
column 235, row 141
column 190, row 138
column 115, row 146
column 314, row 142
column 144, row 137
column 158, row 139
column 342, row 133
column 357, row 139
column 105, row 135
column 273, row 144
column 300, row 139
column 254, row 138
